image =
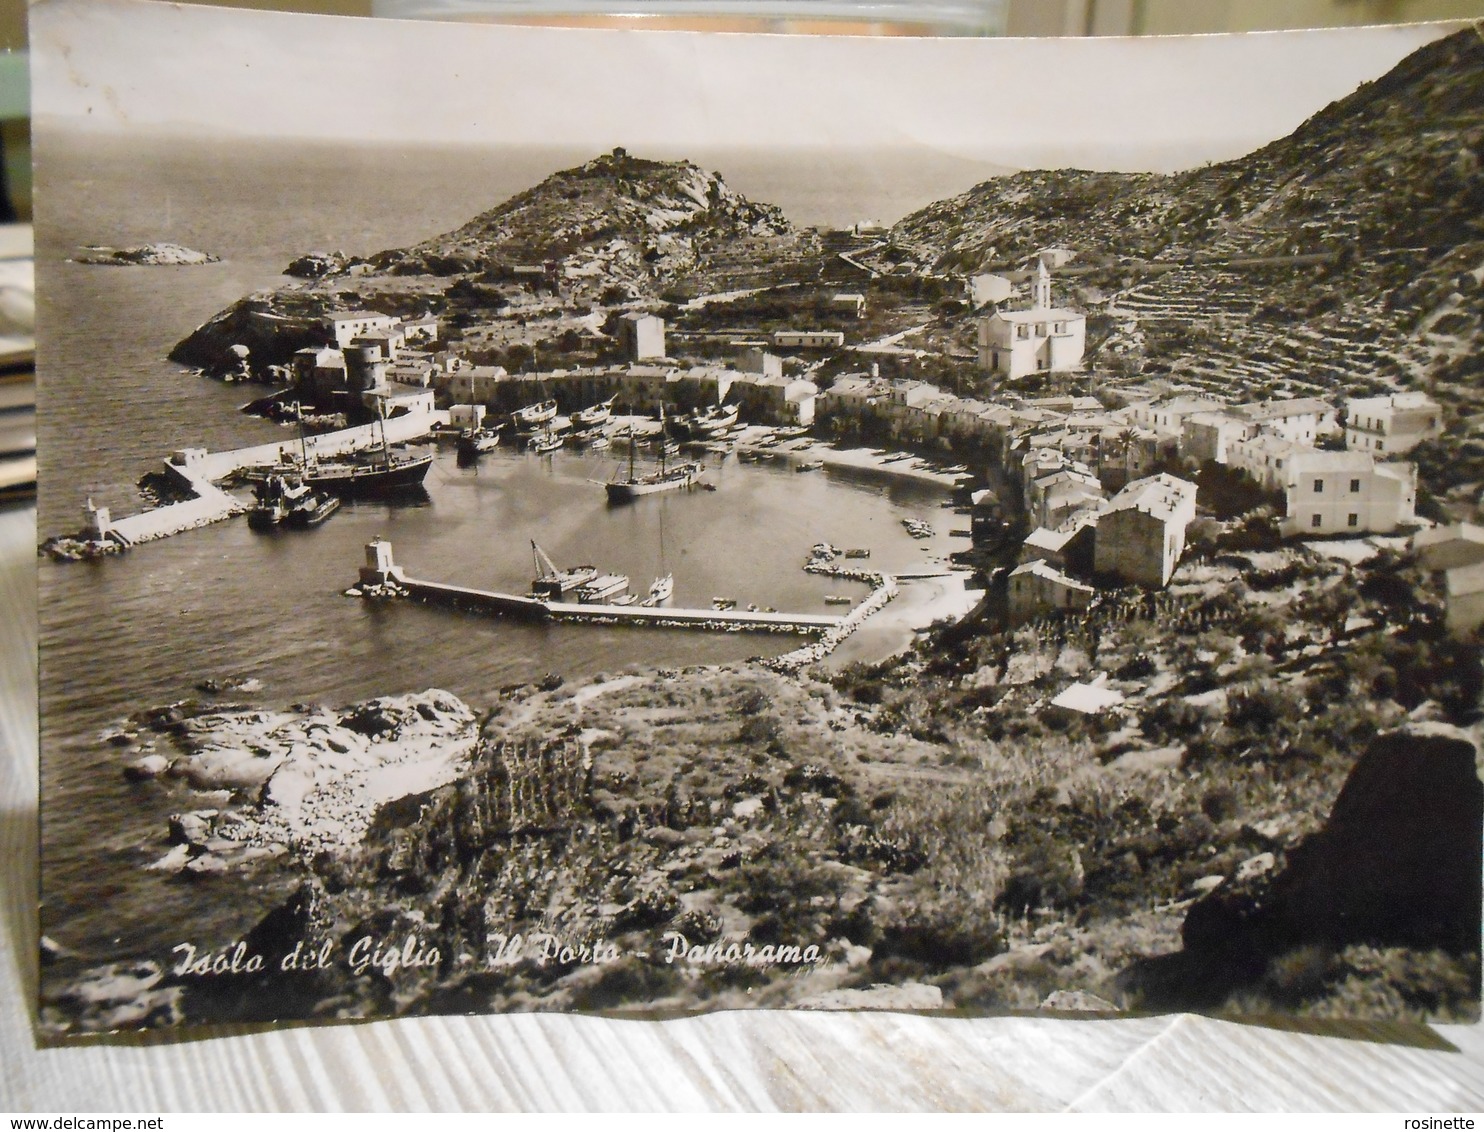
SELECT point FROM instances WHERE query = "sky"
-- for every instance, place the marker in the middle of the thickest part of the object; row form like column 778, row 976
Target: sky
column 1156, row 103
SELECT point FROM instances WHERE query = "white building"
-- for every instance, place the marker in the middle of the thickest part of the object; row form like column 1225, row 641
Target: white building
column 1167, row 414
column 1264, row 459
column 642, row 336
column 1043, row 339
column 1303, row 420
column 346, row 326
column 1448, row 548
column 1336, row 493
column 1392, row 425
column 1208, row 436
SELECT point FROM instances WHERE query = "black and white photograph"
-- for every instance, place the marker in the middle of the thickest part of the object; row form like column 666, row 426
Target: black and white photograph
column 649, row 523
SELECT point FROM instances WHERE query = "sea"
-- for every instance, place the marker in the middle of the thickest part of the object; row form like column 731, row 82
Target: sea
column 142, row 629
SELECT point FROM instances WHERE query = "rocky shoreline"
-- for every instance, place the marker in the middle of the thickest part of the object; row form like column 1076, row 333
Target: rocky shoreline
column 309, row 779
column 147, row 255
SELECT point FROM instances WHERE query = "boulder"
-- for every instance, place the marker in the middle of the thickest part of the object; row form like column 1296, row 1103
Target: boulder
column 1077, row 1000
column 151, row 766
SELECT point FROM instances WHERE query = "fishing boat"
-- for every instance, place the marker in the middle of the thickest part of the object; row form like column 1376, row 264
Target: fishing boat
column 557, row 585
column 546, row 442
column 531, row 416
column 809, row 466
column 373, row 477
column 837, row 599
column 475, row 442
column 364, row 476
column 594, row 439
column 308, row 508
column 710, row 422
column 665, row 479
column 286, row 500
column 594, row 415
column 269, row 508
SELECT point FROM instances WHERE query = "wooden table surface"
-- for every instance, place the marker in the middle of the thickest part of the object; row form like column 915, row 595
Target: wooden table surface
column 728, row 1061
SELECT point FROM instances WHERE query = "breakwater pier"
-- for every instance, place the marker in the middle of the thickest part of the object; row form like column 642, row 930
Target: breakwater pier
column 381, row 576
column 197, row 473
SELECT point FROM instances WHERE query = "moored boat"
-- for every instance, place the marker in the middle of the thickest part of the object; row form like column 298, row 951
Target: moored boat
column 538, row 414
column 474, row 442
column 662, row 590
column 594, row 415
column 666, row 478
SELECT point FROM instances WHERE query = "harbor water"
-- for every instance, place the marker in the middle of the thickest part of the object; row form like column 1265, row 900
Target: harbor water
column 141, row 629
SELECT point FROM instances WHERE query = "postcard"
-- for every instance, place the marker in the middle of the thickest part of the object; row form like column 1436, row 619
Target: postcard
column 607, row 521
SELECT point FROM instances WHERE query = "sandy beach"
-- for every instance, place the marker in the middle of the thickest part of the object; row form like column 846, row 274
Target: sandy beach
column 806, row 449
column 919, row 603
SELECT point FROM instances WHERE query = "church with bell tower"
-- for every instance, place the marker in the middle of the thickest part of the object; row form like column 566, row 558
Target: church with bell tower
column 1040, row 339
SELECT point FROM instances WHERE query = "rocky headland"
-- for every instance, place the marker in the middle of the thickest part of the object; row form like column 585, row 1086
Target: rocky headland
column 615, row 230
column 147, row 255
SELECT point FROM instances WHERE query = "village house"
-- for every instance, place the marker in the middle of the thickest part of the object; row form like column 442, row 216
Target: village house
column 1391, row 425
column 1037, row 587
column 465, row 384
column 1447, row 548
column 808, row 339
column 767, row 399
column 1332, row 493
column 1041, row 339
column 420, row 331
column 1264, row 459
column 850, row 303
column 1128, row 454
column 1302, row 420
column 1141, row 534
column 1207, row 436
column 1465, row 589
column 346, row 326
column 319, row 372
column 1056, row 497
column 756, row 359
column 641, row 336
column 386, row 343
column 1034, row 463
column 1167, row 414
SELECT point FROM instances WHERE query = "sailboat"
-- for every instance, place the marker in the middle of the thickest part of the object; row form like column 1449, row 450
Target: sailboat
column 376, row 475
column 547, row 442
column 665, row 479
column 474, row 441
column 664, row 585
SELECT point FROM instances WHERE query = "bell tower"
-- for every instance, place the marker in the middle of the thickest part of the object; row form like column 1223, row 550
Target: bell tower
column 1041, row 292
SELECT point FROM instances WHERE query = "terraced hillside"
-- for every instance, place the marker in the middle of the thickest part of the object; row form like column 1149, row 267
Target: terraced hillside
column 1350, row 253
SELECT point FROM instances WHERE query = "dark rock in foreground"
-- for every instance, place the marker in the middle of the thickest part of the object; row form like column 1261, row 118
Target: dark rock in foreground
column 1396, row 865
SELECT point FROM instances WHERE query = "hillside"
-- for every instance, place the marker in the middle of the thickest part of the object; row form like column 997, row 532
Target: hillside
column 617, row 229
column 623, row 220
column 1382, row 188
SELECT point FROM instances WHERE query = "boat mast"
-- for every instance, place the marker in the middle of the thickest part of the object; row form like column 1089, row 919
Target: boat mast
column 664, row 438
column 303, row 446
